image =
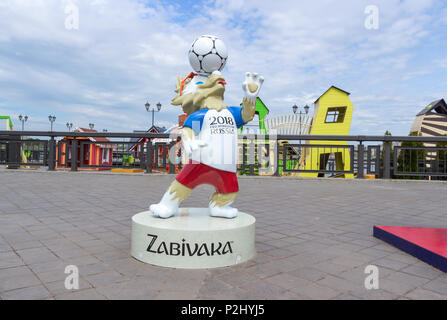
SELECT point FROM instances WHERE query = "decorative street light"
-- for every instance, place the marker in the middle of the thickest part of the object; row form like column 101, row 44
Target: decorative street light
column 91, row 126
column 104, row 130
column 69, row 126
column 23, row 119
column 148, row 109
column 51, row 119
column 306, row 111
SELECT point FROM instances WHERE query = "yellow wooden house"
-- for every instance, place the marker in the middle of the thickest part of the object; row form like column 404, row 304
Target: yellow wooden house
column 332, row 116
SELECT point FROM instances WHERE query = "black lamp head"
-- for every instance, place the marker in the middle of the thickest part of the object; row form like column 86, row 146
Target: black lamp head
column 306, row 108
column 295, row 108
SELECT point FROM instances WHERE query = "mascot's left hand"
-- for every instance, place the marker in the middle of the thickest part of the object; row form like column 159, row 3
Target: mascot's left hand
column 251, row 86
column 191, row 145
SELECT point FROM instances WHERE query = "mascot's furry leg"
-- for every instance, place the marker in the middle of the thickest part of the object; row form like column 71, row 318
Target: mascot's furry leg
column 220, row 205
column 169, row 204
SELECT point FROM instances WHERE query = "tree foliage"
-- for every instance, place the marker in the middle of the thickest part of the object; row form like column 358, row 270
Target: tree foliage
column 412, row 160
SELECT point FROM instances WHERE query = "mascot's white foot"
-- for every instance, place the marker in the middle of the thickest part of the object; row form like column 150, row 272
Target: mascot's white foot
column 223, row 212
column 166, row 208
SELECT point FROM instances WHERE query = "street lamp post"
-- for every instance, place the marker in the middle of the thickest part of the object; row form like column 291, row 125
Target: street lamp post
column 91, row 126
column 51, row 119
column 306, row 111
column 69, row 126
column 23, row 119
column 153, row 110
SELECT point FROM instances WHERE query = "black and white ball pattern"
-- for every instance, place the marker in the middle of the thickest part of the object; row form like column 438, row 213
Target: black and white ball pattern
column 208, row 54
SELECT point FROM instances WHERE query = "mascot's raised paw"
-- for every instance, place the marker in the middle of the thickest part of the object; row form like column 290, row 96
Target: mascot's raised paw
column 251, row 86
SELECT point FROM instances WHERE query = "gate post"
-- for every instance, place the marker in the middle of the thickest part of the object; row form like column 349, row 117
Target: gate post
column 169, row 155
column 141, row 155
column 149, row 155
column 13, row 152
column 276, row 174
column 52, row 154
column 360, row 152
column 74, row 155
column 387, row 160
column 251, row 158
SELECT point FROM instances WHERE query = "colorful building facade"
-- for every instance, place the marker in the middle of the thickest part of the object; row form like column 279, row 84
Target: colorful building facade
column 94, row 153
column 332, row 116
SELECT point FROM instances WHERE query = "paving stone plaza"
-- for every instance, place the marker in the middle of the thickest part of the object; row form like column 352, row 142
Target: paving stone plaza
column 313, row 238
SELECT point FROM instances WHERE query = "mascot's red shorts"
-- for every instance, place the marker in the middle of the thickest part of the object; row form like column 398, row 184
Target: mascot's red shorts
column 194, row 174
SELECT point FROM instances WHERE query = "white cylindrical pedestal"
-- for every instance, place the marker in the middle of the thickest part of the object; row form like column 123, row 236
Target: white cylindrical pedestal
column 193, row 239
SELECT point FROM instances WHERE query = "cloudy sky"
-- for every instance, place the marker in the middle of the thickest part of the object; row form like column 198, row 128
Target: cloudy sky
column 128, row 51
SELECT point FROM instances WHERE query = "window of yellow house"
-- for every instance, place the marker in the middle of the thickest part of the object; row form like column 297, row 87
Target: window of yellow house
column 335, row 115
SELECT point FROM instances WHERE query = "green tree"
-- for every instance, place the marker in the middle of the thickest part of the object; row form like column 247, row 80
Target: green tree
column 382, row 155
column 412, row 160
column 441, row 156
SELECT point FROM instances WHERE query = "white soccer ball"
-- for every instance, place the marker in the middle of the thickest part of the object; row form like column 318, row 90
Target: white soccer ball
column 208, row 54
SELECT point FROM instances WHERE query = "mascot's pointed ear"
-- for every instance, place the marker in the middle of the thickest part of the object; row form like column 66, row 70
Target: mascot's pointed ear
column 178, row 84
column 185, row 100
column 185, row 82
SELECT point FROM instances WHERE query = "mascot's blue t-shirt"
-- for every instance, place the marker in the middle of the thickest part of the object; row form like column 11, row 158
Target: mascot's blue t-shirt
column 219, row 130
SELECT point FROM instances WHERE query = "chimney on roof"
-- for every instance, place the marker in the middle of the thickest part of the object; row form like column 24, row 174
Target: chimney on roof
column 181, row 119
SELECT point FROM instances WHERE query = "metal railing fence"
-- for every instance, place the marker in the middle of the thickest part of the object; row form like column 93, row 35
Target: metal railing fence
column 323, row 155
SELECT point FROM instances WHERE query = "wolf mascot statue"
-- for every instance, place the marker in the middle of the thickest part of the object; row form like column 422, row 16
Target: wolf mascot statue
column 209, row 137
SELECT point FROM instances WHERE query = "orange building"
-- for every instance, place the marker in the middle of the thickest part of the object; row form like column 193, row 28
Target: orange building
column 94, row 153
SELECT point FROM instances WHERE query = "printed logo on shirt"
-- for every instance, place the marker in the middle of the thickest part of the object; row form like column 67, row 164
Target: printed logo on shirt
column 221, row 125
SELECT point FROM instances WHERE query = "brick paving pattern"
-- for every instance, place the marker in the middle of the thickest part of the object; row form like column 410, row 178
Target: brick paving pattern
column 313, row 239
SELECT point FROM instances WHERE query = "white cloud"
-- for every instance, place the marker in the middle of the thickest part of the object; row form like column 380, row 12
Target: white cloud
column 441, row 63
